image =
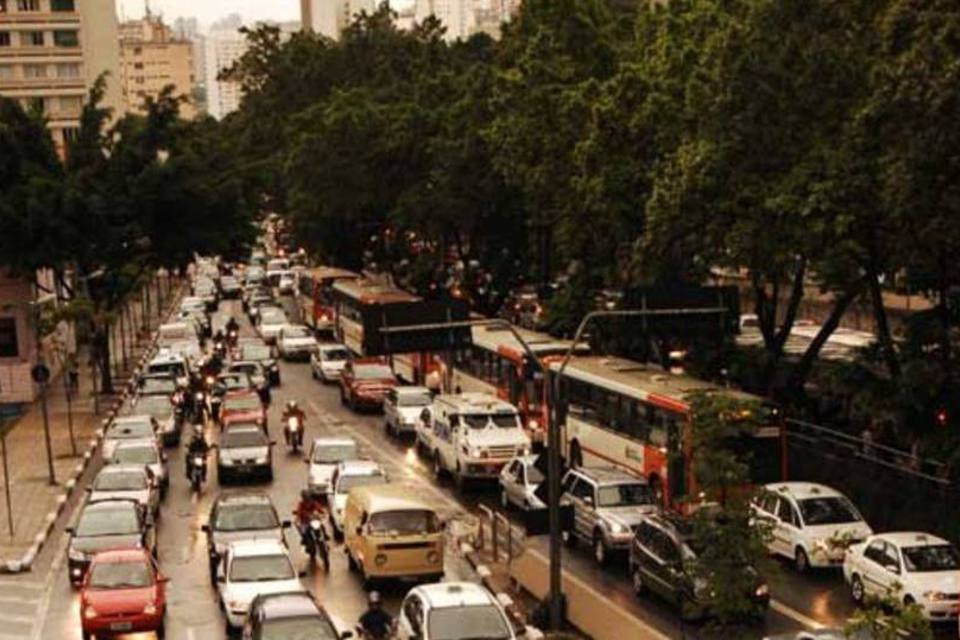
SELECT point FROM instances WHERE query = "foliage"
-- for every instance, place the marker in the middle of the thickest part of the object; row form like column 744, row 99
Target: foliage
column 888, row 617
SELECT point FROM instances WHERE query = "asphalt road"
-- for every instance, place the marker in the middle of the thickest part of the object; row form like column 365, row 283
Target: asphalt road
column 42, row 604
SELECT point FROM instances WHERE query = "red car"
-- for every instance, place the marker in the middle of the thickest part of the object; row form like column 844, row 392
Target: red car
column 363, row 383
column 123, row 592
column 243, row 406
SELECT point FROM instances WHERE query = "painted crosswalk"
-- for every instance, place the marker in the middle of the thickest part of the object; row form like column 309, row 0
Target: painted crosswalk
column 22, row 604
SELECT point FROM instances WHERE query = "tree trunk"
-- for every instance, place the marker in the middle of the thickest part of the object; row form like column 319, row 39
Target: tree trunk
column 766, row 312
column 793, row 305
column 101, row 352
column 803, row 368
column 883, row 327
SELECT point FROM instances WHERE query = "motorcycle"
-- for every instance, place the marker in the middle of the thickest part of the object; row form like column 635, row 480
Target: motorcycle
column 363, row 634
column 220, row 349
column 232, row 337
column 293, row 432
column 198, row 470
column 315, row 543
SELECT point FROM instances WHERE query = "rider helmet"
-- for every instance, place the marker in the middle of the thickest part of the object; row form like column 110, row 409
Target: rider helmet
column 291, row 405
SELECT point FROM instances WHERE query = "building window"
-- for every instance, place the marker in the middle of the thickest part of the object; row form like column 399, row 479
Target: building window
column 8, row 338
column 137, row 51
column 3, row 6
column 32, row 71
column 66, row 39
column 62, row 5
column 31, row 38
column 70, row 134
column 28, row 5
column 138, row 65
column 71, row 104
column 4, row 38
column 6, row 71
column 139, row 79
column 68, row 70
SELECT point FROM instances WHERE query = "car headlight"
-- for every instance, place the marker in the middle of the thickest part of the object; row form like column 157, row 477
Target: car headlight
column 89, row 612
column 533, row 424
column 226, row 462
column 935, row 596
column 616, row 527
column 261, row 460
column 762, row 591
column 821, row 546
column 77, row 556
column 150, row 609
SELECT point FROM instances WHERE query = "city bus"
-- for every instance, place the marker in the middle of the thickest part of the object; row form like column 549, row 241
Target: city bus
column 497, row 364
column 316, row 295
column 637, row 417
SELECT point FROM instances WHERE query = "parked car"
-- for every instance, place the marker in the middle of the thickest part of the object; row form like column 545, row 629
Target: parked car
column 519, row 482
column 811, row 524
column 608, row 504
column 919, row 568
column 252, row 568
column 244, row 452
column 124, row 428
column 328, row 360
column 123, row 592
column 240, row 516
column 350, row 474
column 296, row 342
column 145, row 452
column 109, row 524
column 288, row 615
column 325, row 454
column 364, row 382
column 126, row 481
column 452, row 611
column 662, row 561
column 402, row 407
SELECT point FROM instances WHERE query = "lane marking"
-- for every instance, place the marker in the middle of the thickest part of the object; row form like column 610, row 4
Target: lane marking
column 795, row 615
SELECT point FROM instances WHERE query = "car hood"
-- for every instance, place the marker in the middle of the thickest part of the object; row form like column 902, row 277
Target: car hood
column 92, row 544
column 497, row 438
column 299, row 342
column 333, row 365
column 222, row 538
column 120, row 601
column 242, row 453
column 410, row 415
column 142, row 495
column 251, row 415
column 626, row 516
column 321, row 474
column 857, row 530
column 270, row 328
column 944, row 581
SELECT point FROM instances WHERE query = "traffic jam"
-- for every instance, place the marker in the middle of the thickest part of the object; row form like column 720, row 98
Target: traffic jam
column 270, row 478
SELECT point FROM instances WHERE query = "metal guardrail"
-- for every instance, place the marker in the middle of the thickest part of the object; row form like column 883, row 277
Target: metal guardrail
column 506, row 541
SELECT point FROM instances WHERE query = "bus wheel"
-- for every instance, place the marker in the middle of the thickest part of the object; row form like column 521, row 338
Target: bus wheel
column 576, row 455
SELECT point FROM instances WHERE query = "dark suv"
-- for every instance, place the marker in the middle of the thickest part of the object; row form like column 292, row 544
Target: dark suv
column 662, row 556
column 288, row 615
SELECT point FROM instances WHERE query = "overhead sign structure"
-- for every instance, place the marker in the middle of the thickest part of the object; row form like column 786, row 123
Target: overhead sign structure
column 410, row 327
column 684, row 297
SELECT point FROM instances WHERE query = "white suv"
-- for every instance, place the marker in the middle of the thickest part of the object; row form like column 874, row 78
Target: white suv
column 452, row 611
column 811, row 524
column 251, row 568
column 925, row 569
column 471, row 435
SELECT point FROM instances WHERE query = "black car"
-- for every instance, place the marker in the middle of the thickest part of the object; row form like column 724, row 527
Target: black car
column 107, row 524
column 289, row 615
column 664, row 548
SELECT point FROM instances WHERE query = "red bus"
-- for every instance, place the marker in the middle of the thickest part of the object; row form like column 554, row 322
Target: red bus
column 316, row 295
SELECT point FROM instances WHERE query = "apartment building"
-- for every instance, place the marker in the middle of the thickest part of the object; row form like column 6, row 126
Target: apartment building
column 331, row 17
column 52, row 51
column 223, row 48
column 152, row 58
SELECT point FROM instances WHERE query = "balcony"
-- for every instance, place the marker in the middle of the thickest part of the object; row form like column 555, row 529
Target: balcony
column 38, row 84
column 51, row 53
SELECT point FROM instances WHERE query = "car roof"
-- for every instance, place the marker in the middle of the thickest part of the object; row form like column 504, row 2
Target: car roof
column 411, row 390
column 132, row 554
column 137, row 443
column 329, row 346
column 111, row 504
column 243, row 427
column 359, row 467
column 911, row 538
column 334, row 441
column 803, row 490
column 608, row 475
column 243, row 497
column 293, row 604
column 454, row 594
column 135, row 418
column 122, row 468
column 476, row 403
column 389, row 497
column 258, row 547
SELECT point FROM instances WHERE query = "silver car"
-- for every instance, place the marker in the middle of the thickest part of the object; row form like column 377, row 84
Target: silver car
column 327, row 361
column 145, row 453
column 126, row 481
column 162, row 409
column 240, row 516
column 402, row 407
column 325, row 455
column 519, row 481
column 608, row 504
column 244, row 452
column 127, row 428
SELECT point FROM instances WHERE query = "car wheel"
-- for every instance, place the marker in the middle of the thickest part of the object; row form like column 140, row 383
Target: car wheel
column 599, row 549
column 459, row 480
column 343, row 397
column 800, row 560
column 636, row 578
column 856, row 589
column 353, row 403
column 576, row 455
column 87, row 635
column 387, row 427
column 313, row 372
column 161, row 631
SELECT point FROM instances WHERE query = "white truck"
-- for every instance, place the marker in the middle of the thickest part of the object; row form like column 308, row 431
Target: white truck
column 471, row 436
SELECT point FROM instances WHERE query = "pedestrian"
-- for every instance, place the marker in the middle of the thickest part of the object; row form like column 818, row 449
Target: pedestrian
column 73, row 374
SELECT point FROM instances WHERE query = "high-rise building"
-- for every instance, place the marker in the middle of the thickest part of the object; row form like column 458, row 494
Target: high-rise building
column 52, row 51
column 223, row 48
column 331, row 17
column 189, row 29
column 152, row 59
column 458, row 16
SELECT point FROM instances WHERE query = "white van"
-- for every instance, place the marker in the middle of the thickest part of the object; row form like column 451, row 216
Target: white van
column 471, row 435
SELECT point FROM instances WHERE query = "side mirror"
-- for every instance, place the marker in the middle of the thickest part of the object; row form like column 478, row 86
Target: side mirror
column 588, row 500
column 346, row 635
column 285, row 524
column 205, row 528
column 70, row 530
column 302, row 573
column 306, row 461
column 892, row 568
column 359, row 531
column 161, row 579
column 272, row 443
column 221, row 579
column 88, row 489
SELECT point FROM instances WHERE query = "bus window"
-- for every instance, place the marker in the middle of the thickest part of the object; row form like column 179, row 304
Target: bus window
column 513, row 381
column 660, row 428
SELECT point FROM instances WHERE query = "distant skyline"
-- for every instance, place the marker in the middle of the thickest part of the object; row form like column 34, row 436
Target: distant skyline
column 208, row 11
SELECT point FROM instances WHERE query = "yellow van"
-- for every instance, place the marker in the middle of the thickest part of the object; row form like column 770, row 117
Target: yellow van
column 388, row 533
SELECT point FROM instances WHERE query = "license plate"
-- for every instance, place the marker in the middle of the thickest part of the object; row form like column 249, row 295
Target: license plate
column 121, row 626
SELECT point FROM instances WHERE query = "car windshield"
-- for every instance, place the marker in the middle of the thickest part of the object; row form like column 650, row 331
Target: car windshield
column 296, row 332
column 335, row 355
column 373, row 372
column 130, row 430
column 120, row 481
column 136, row 455
column 156, row 406
column 246, row 517
column 108, row 522
column 247, row 368
column 480, row 421
column 120, row 575
column 233, row 382
column 348, row 482
column 461, row 623
column 419, row 399
column 624, row 495
column 932, row 557
column 242, row 403
column 328, row 453
column 236, row 438
column 404, row 523
column 272, row 316
column 175, row 368
column 158, row 386
column 832, row 510
column 261, row 569
column 300, row 628
column 256, row 352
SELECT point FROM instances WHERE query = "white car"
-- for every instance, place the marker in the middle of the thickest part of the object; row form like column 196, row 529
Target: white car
column 452, row 611
column 519, row 481
column 251, row 568
column 147, row 453
column 810, row 523
column 402, row 407
column 328, row 360
column 325, row 455
column 295, row 342
column 919, row 568
column 269, row 323
column 127, row 428
column 287, row 283
column 347, row 475
column 126, row 482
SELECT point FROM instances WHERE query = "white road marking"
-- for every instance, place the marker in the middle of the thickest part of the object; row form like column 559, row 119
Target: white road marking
column 795, row 615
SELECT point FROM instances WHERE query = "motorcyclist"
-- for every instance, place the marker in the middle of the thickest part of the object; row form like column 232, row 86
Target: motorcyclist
column 197, row 447
column 292, row 410
column 376, row 623
column 233, row 331
column 312, row 506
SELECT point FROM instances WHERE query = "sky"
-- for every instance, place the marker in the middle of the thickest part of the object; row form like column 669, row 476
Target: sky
column 207, row 11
